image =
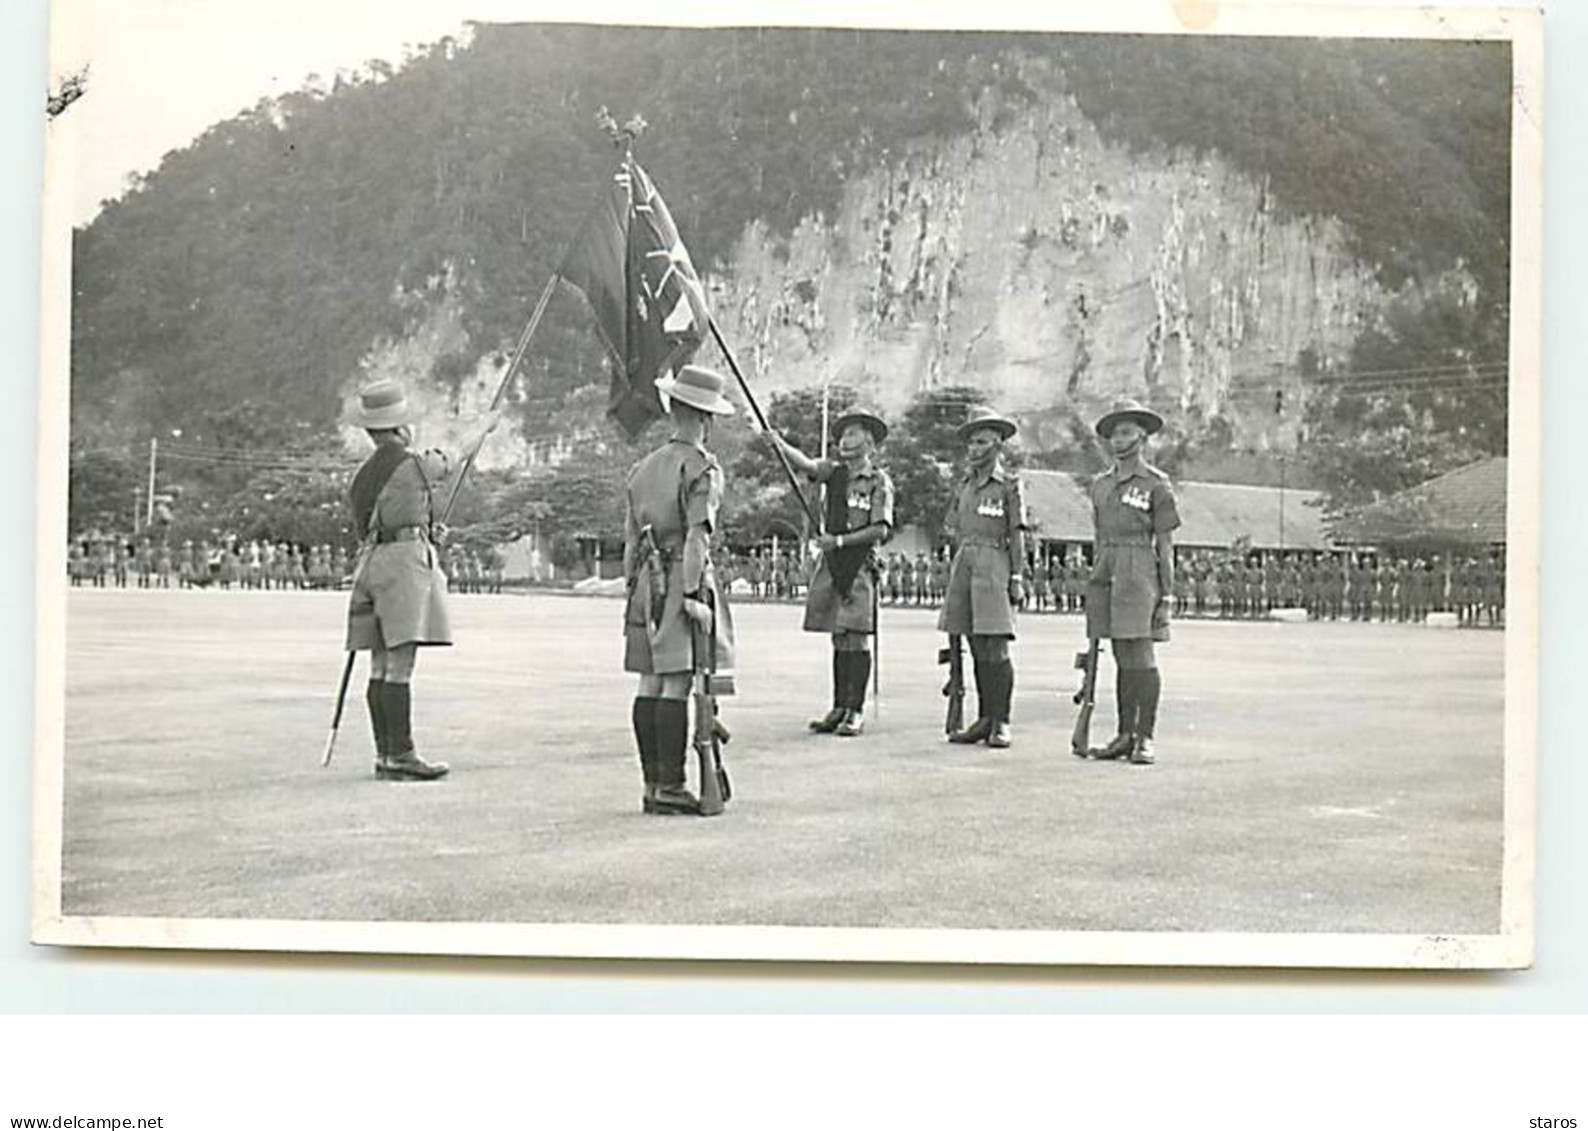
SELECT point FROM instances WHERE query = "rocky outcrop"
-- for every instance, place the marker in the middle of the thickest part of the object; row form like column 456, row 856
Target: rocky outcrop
column 1038, row 262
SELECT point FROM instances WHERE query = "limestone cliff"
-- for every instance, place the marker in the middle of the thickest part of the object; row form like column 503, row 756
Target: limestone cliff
column 1038, row 262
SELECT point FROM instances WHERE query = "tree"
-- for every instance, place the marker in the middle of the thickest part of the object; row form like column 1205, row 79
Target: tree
column 1426, row 394
column 761, row 501
column 102, row 487
column 924, row 452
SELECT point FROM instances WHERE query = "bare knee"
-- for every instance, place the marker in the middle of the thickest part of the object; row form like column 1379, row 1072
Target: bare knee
column 673, row 685
column 400, row 663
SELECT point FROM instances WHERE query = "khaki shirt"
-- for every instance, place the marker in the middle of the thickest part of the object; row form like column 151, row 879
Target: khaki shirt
column 989, row 510
column 870, row 494
column 677, row 486
column 406, row 499
column 1133, row 507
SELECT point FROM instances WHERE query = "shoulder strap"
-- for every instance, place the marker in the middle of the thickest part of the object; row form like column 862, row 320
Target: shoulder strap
column 371, row 480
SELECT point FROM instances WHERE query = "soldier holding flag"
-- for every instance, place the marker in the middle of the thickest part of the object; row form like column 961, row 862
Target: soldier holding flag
column 842, row 600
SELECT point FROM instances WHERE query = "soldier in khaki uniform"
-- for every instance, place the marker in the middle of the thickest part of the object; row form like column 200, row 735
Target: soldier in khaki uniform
column 986, row 579
column 398, row 603
column 842, row 597
column 1128, row 594
column 674, row 600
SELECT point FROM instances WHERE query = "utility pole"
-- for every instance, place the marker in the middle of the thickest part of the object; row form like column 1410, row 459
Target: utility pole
column 1281, row 504
column 154, row 448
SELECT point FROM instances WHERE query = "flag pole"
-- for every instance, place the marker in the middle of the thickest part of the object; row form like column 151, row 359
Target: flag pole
column 623, row 138
column 760, row 418
column 501, row 389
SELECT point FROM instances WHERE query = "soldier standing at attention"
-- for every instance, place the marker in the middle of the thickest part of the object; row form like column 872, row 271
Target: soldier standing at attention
column 673, row 496
column 1127, row 598
column 398, row 603
column 985, row 582
column 858, row 518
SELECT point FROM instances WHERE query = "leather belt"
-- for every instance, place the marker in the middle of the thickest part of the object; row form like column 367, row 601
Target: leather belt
column 1126, row 540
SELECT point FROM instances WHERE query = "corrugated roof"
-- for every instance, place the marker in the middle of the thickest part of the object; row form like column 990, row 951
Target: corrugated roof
column 1211, row 514
column 1464, row 506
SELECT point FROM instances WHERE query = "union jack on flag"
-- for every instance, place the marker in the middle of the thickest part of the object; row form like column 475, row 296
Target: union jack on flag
column 638, row 278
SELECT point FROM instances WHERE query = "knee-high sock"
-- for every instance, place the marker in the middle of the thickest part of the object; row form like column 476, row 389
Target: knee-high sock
column 840, row 678
column 1006, row 689
column 1147, row 706
column 374, row 699
column 644, row 718
column 859, row 675
column 1125, row 697
column 984, row 696
column 672, row 740
column 397, row 710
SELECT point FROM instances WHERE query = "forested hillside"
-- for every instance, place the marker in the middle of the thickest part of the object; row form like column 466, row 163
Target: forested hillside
column 233, row 292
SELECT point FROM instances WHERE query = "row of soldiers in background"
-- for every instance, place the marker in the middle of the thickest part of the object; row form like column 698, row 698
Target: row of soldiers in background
column 472, row 571
column 104, row 560
column 902, row 580
column 767, row 576
column 1332, row 585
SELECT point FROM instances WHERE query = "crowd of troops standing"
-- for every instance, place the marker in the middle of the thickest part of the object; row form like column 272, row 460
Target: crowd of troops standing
column 1329, row 585
column 780, row 576
column 109, row 560
column 113, row 560
column 1340, row 585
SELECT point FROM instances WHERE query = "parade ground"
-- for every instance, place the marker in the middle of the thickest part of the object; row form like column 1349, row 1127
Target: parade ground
column 1311, row 778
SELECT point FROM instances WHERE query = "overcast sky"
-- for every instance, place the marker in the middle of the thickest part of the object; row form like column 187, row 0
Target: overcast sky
column 164, row 71
column 161, row 72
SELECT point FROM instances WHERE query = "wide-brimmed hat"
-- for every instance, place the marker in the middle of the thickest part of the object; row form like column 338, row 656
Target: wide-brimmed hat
column 867, row 419
column 984, row 417
column 697, row 387
column 382, row 404
column 1128, row 409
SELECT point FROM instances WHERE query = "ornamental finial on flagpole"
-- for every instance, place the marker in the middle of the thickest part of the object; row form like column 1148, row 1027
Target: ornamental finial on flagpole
column 624, row 136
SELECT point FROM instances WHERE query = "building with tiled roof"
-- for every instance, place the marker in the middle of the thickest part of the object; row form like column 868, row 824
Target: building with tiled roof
column 1212, row 515
column 1465, row 507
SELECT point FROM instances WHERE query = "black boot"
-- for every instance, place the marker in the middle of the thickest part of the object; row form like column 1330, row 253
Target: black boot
column 1151, row 684
column 672, row 745
column 643, row 716
column 375, row 700
column 829, row 722
column 982, row 727
column 402, row 763
column 1124, row 740
column 859, row 675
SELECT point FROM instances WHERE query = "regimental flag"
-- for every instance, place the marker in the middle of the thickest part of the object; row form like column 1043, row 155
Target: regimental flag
column 636, row 274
